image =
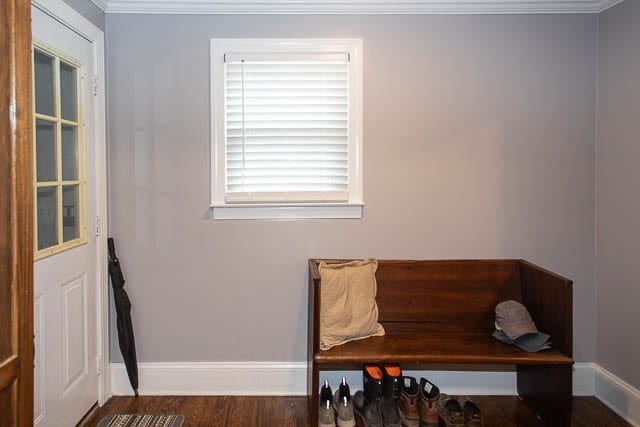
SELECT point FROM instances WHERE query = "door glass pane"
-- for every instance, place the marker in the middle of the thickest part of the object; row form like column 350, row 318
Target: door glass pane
column 47, row 203
column 69, row 153
column 68, row 86
column 43, row 74
column 70, row 220
column 45, row 151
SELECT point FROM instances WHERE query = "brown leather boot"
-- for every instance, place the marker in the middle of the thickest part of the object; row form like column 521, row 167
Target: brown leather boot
column 451, row 411
column 408, row 405
column 428, row 403
column 472, row 413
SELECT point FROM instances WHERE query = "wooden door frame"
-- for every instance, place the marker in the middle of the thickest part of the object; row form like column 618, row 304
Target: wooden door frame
column 65, row 14
column 16, row 158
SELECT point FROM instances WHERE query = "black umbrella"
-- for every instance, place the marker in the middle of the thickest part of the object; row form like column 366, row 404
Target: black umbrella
column 123, row 311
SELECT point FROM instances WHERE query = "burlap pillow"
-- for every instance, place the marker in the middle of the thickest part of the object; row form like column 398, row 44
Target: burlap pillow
column 348, row 309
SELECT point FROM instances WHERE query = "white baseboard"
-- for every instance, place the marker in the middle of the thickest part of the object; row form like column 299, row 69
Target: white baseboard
column 289, row 379
column 216, row 379
column 620, row 396
column 584, row 383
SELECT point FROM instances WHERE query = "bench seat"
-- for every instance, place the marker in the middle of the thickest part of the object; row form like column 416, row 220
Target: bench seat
column 436, row 348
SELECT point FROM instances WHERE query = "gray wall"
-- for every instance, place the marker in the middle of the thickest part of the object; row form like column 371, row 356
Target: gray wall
column 479, row 143
column 89, row 10
column 618, row 198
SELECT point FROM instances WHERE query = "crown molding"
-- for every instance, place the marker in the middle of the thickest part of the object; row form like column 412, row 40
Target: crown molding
column 606, row 4
column 378, row 7
column 102, row 4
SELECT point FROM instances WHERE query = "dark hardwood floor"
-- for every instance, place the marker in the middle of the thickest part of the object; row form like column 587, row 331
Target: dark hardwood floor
column 243, row 411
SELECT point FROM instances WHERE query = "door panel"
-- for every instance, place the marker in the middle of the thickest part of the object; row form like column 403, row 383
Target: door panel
column 16, row 216
column 39, row 374
column 66, row 258
column 75, row 347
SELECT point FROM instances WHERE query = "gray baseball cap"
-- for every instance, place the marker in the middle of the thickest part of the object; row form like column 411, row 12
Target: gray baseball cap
column 514, row 319
column 528, row 342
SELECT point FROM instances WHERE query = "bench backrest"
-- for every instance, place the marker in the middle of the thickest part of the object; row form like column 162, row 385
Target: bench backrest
column 455, row 296
column 451, row 295
column 444, row 295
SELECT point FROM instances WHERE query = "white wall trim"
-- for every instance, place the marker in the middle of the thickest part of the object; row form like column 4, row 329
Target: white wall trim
column 344, row 211
column 221, row 48
column 102, row 4
column 617, row 394
column 66, row 15
column 606, row 4
column 224, row 378
column 355, row 6
column 584, row 379
column 289, row 379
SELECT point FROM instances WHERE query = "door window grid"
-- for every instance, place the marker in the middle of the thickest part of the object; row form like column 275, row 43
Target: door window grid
column 65, row 188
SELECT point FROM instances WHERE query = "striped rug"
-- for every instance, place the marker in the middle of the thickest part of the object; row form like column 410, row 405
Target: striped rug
column 144, row 420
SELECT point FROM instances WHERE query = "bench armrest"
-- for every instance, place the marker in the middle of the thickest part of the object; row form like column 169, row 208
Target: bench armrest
column 549, row 299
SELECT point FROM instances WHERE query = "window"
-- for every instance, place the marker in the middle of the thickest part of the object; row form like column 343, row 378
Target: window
column 59, row 177
column 286, row 128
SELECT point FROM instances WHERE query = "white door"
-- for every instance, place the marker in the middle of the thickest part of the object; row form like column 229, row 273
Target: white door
column 66, row 377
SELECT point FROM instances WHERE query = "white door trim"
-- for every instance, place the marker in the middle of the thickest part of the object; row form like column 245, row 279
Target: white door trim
column 66, row 15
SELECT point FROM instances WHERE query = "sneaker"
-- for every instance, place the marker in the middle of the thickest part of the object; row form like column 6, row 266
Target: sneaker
column 366, row 403
column 428, row 403
column 392, row 384
column 343, row 405
column 472, row 414
column 326, row 414
column 408, row 405
column 451, row 411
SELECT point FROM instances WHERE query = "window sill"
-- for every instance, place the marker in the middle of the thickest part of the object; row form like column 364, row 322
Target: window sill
column 288, row 211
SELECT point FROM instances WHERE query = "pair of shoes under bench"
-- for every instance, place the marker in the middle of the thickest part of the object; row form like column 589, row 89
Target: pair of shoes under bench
column 377, row 404
column 419, row 403
column 336, row 407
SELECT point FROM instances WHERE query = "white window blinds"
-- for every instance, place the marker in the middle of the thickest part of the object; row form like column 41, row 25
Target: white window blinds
column 286, row 127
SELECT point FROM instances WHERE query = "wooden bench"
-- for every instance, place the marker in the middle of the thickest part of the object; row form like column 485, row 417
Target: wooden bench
column 441, row 314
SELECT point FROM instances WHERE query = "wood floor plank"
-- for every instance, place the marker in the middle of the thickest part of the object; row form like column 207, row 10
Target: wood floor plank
column 194, row 409
column 248, row 411
column 294, row 415
column 214, row 412
column 493, row 409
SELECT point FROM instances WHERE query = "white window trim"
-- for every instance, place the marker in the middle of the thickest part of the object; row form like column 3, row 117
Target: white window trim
column 223, row 210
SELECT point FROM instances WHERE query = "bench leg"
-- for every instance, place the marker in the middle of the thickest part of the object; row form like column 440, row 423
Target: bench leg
column 313, row 393
column 547, row 390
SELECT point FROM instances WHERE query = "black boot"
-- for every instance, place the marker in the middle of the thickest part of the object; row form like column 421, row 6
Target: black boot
column 366, row 403
column 392, row 385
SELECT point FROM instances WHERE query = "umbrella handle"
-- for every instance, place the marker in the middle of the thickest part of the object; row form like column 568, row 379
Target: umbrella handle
column 112, row 249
